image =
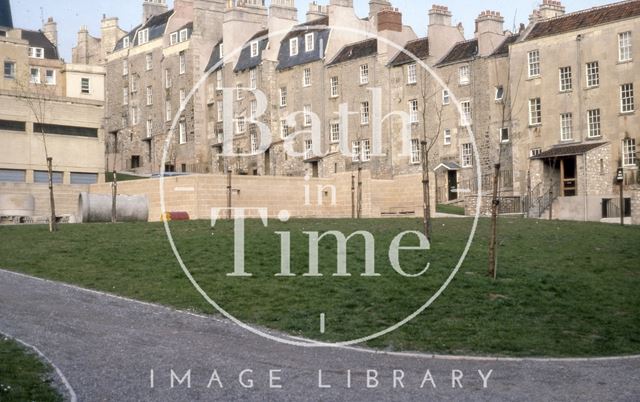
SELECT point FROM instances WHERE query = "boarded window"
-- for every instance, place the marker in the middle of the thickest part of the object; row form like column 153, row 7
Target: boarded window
column 65, row 130
column 42, row 176
column 13, row 176
column 11, row 125
column 84, row 178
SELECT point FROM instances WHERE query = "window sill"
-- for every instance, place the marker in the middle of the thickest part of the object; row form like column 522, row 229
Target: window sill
column 412, row 84
column 535, row 125
column 623, row 114
column 534, row 78
column 591, row 88
column 622, row 62
column 568, row 91
column 464, row 84
column 594, row 138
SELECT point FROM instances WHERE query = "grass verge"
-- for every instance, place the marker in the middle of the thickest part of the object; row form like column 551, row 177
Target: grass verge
column 449, row 209
column 563, row 288
column 23, row 376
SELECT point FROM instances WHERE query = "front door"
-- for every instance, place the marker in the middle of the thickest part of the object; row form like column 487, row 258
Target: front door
column 453, row 185
column 568, row 177
column 267, row 163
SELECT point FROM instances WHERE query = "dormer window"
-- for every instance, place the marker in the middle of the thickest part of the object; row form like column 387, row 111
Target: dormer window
column 125, row 42
column 184, row 35
column 309, row 43
column 143, row 36
column 293, row 47
column 36, row 53
column 255, row 49
column 173, row 38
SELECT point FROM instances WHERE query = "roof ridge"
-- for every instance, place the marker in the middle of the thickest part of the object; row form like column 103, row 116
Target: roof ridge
column 587, row 10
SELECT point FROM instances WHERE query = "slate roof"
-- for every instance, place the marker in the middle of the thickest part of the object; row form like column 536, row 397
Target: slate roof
column 156, row 24
column 5, row 14
column 461, row 51
column 245, row 61
column 568, row 150
column 319, row 27
column 356, row 51
column 503, row 49
column 39, row 39
column 586, row 18
column 418, row 48
column 215, row 58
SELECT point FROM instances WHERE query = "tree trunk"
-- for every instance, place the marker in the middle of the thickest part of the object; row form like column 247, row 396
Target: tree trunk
column 53, row 225
column 426, row 192
column 229, row 191
column 495, row 204
column 359, row 191
column 114, row 196
column 353, row 196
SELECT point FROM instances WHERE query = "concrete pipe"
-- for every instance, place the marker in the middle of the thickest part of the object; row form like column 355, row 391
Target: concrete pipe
column 17, row 205
column 96, row 208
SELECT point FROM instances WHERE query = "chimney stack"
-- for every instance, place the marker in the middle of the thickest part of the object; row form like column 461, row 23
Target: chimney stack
column 316, row 11
column 441, row 31
column 342, row 3
column 50, row 30
column 152, row 8
column 284, row 9
column 489, row 32
column 375, row 6
column 389, row 19
column 548, row 9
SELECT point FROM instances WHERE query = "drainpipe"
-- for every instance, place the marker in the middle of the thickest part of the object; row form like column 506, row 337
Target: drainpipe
column 586, row 188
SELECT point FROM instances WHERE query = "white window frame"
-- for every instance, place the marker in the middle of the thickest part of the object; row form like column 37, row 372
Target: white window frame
column 51, row 81
column 464, row 74
column 149, row 128
column 253, row 143
column 220, row 111
column 134, row 85
column 149, row 93
column 184, row 35
column 627, row 98
column 309, row 42
column 125, row 96
column 535, row 112
column 143, row 36
column 355, row 151
column 36, row 53
column 466, row 155
column 253, row 108
column 253, row 79
column 306, row 77
column 535, row 152
column 416, row 152
column 283, row 96
column 126, row 42
column 182, row 131
column 239, row 91
column 85, row 89
column 183, row 97
column 566, row 127
column 12, row 69
column 533, row 58
column 219, row 80
column 308, row 149
column 284, row 128
column 364, row 74
column 629, row 152
column 308, row 120
column 148, row 61
column 293, row 47
column 255, row 49
column 413, row 111
column 173, row 39
column 593, row 74
column 168, row 111
column 364, row 113
column 334, row 83
column 501, row 136
column 566, row 79
column 499, row 93
column 447, row 136
column 366, row 150
column 183, row 62
column 241, row 125
column 446, row 97
column 34, row 78
column 167, row 78
column 594, row 123
column 334, row 132
column 125, row 67
column 467, row 113
column 625, row 47
column 412, row 74
column 135, row 116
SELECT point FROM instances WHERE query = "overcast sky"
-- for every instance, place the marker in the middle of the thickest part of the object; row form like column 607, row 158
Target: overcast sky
column 71, row 14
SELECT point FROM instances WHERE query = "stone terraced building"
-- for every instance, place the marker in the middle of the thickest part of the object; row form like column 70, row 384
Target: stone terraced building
column 552, row 102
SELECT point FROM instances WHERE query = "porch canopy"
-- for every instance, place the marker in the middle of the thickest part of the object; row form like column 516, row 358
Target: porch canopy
column 567, row 150
column 449, row 166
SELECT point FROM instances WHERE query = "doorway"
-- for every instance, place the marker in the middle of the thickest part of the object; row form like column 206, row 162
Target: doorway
column 452, row 179
column 568, row 177
column 267, row 163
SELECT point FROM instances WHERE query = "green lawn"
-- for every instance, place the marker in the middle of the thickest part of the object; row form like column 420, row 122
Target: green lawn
column 564, row 289
column 23, row 377
column 122, row 177
column 449, row 209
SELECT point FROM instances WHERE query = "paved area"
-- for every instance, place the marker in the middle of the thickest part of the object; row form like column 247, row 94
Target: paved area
column 107, row 347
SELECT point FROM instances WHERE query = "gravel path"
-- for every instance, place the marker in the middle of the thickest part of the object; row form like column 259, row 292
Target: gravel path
column 107, row 348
